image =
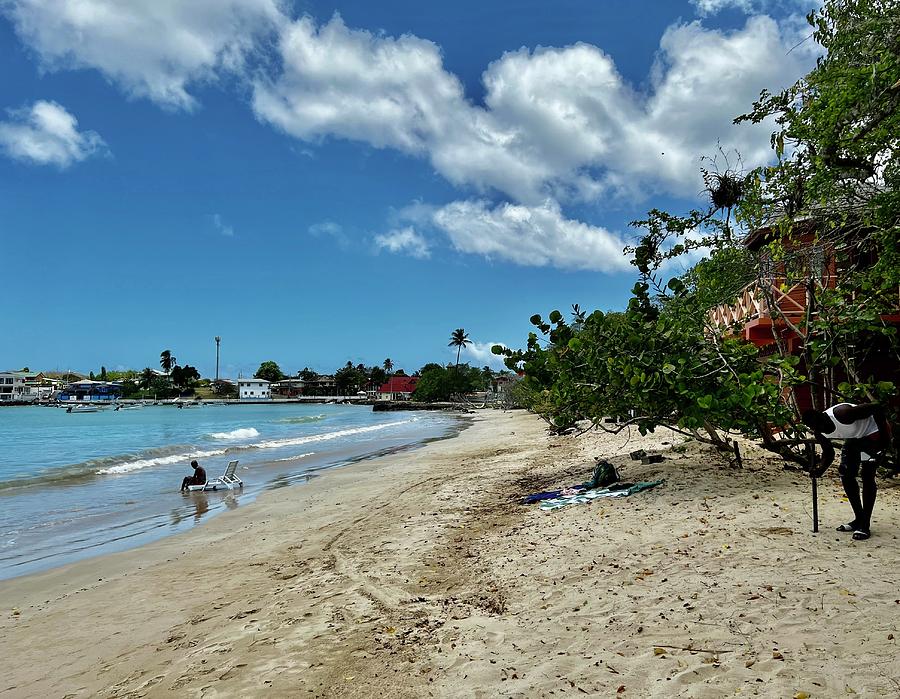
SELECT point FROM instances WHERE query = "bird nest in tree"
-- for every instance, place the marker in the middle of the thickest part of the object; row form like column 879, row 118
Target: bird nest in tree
column 725, row 190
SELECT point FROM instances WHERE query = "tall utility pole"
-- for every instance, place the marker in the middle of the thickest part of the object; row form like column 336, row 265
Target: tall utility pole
column 218, row 340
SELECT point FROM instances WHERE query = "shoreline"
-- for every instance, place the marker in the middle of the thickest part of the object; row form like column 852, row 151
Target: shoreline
column 196, row 509
column 420, row 574
column 377, row 404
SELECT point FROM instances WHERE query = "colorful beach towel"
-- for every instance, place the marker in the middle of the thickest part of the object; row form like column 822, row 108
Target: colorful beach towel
column 604, row 476
column 537, row 497
column 589, row 495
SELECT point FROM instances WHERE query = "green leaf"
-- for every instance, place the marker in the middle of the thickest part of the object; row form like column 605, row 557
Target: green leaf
column 676, row 285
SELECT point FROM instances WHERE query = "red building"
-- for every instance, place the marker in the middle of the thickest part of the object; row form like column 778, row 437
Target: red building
column 774, row 309
column 398, row 388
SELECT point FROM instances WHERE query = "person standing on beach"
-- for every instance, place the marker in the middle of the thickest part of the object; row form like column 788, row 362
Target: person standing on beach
column 864, row 430
column 199, row 477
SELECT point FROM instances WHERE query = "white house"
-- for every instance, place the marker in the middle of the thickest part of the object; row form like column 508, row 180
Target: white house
column 22, row 386
column 12, row 386
column 254, row 389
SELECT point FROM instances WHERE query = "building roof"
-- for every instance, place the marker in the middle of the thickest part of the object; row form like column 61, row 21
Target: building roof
column 253, row 380
column 399, row 384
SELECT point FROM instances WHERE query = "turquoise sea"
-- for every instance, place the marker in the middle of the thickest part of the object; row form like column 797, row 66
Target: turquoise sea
column 77, row 485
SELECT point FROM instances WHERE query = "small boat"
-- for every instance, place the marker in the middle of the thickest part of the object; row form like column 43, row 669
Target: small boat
column 82, row 409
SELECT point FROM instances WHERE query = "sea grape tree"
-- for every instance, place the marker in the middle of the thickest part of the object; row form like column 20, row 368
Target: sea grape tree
column 831, row 204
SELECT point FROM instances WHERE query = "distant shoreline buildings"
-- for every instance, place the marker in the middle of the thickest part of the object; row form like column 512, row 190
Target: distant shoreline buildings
column 27, row 387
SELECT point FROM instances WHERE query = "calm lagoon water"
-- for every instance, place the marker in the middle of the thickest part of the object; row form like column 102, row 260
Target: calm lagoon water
column 76, row 485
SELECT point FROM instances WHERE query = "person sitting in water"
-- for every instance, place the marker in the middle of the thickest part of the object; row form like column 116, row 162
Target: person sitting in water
column 199, row 477
column 864, row 430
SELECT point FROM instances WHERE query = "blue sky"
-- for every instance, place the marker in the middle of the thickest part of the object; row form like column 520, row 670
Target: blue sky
column 319, row 182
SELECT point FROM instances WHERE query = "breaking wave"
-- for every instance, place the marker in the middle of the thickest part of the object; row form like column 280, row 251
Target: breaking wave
column 123, row 464
column 242, row 433
column 326, row 436
column 160, row 461
column 111, row 465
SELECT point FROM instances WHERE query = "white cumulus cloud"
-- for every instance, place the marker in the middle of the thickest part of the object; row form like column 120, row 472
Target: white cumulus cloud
column 558, row 122
column 404, row 241
column 479, row 354
column 47, row 134
column 152, row 49
column 355, row 84
column 555, row 122
column 534, row 236
column 711, row 7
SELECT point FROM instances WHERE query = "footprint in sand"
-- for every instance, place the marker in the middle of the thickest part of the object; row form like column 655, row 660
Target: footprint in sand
column 700, row 673
column 493, row 639
column 151, row 682
column 241, row 615
column 232, row 671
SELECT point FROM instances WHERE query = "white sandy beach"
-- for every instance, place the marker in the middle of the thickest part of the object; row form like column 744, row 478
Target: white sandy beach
column 419, row 575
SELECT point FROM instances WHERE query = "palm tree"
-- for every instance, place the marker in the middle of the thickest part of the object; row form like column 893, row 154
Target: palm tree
column 147, row 377
column 166, row 361
column 388, row 368
column 459, row 339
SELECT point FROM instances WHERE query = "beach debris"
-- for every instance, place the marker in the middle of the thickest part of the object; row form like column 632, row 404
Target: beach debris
column 652, row 459
column 801, row 695
column 638, row 454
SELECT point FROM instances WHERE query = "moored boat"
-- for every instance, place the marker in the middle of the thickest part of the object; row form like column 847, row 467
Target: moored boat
column 82, row 409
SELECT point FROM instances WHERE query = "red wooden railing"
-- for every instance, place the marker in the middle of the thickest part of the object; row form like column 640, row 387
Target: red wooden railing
column 765, row 300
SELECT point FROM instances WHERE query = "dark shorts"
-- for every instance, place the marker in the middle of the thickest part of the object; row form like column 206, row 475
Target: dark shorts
column 851, row 456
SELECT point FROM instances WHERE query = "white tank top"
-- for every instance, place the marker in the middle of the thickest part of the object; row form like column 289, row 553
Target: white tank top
column 855, row 430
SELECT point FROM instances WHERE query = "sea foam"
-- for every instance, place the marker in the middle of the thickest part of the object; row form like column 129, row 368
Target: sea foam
column 296, row 457
column 294, row 441
column 159, row 461
column 184, row 455
column 241, row 433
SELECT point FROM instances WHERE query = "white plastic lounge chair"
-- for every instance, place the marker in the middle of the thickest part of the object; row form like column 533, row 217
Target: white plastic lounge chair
column 227, row 480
